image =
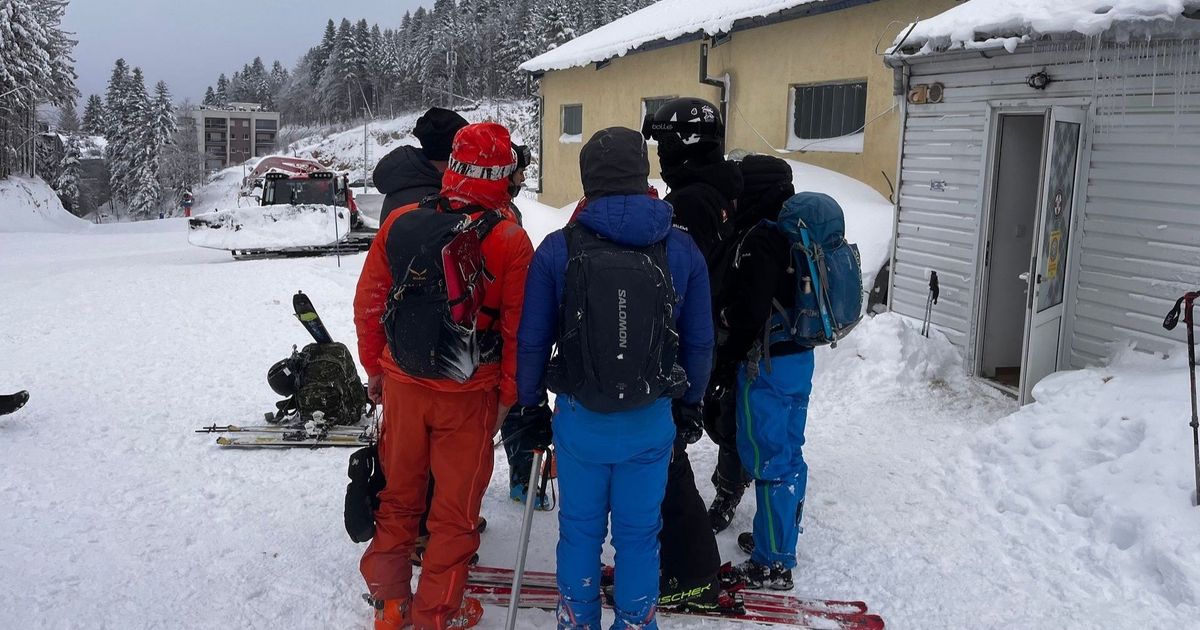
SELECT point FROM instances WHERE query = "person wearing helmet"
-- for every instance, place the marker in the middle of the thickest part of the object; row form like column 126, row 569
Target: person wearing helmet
column 704, row 185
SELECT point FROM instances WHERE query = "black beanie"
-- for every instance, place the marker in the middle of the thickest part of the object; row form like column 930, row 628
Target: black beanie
column 614, row 162
column 435, row 129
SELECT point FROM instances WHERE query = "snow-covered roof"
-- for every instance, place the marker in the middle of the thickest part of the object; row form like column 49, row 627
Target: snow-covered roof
column 663, row 20
column 1007, row 23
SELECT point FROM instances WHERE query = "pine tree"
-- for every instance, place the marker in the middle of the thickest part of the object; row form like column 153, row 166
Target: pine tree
column 321, row 54
column 210, row 98
column 333, row 91
column 93, row 116
column 67, row 182
column 129, row 169
column 35, row 66
column 68, row 118
column 116, row 153
column 222, row 94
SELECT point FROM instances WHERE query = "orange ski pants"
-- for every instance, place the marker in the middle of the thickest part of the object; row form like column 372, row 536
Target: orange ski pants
column 449, row 433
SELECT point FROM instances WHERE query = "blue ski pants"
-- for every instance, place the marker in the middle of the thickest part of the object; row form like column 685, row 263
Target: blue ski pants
column 772, row 410
column 610, row 465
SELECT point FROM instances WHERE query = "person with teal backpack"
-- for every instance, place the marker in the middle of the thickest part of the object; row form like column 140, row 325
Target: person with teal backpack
column 795, row 284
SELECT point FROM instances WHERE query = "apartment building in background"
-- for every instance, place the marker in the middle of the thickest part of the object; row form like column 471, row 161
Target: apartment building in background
column 234, row 133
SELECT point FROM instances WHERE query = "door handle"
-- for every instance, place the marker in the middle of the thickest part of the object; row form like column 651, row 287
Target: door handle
column 1024, row 277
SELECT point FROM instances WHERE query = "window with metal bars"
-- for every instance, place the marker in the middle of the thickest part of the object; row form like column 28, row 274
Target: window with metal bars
column 829, row 110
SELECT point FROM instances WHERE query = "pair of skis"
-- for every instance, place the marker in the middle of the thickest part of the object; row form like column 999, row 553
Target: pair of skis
column 314, row 434
column 493, row 585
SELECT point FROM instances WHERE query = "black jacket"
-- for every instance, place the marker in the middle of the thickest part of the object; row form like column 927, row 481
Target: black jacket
column 406, row 177
column 762, row 273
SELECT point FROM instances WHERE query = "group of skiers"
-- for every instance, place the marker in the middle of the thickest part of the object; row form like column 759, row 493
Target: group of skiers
column 652, row 320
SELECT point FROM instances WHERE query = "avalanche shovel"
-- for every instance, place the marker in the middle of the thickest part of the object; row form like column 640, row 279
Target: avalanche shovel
column 1186, row 304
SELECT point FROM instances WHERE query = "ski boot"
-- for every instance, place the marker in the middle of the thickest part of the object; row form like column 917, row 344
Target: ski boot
column 467, row 615
column 729, row 578
column 519, row 491
column 722, row 509
column 391, row 614
column 758, row 576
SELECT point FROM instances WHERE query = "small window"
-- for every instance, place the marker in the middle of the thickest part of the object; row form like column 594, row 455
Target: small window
column 265, row 124
column 651, row 105
column 828, row 117
column 572, row 123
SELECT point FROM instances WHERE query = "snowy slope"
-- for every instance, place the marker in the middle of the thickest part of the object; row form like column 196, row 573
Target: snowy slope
column 1007, row 23
column 665, row 19
column 30, row 205
column 344, row 150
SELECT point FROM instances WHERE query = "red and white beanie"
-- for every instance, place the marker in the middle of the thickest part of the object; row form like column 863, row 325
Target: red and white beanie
column 481, row 161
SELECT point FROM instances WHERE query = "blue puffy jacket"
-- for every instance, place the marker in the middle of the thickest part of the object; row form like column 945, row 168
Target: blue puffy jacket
column 630, row 220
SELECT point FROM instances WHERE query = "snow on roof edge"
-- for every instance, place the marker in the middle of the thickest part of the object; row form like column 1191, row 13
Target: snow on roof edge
column 657, row 22
column 992, row 24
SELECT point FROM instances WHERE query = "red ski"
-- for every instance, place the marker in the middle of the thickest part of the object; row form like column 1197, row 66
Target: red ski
column 539, row 590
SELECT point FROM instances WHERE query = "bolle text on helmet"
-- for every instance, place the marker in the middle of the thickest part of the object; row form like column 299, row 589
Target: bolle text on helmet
column 622, row 320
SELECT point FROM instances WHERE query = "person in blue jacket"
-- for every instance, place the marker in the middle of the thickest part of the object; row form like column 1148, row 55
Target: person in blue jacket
column 614, row 463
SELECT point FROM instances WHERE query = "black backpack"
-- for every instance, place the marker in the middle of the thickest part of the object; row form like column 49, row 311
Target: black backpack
column 438, row 278
column 617, row 343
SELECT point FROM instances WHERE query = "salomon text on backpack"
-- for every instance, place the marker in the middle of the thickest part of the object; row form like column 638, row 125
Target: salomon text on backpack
column 438, row 278
column 617, row 344
column 829, row 289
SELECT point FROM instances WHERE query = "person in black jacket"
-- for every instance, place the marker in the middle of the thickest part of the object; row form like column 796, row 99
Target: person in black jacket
column 410, row 174
column 704, row 186
column 767, row 184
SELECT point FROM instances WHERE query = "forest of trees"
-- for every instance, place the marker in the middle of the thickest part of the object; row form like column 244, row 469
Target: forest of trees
column 36, row 66
column 458, row 50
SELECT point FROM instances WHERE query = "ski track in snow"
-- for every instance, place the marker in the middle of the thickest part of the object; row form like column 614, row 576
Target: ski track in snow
column 117, row 515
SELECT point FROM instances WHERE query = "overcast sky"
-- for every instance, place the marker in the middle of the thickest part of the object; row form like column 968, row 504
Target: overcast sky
column 188, row 43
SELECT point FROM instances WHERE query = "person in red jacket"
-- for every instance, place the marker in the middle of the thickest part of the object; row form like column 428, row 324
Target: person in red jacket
column 440, row 425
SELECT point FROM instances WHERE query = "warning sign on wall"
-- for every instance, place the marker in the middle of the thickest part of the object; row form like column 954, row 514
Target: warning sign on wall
column 1054, row 254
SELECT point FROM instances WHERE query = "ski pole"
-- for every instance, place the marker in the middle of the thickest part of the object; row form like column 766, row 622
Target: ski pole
column 523, row 545
column 1187, row 304
column 1189, row 319
column 934, row 292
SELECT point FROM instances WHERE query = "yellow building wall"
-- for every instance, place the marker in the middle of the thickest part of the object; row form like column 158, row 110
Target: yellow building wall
column 764, row 63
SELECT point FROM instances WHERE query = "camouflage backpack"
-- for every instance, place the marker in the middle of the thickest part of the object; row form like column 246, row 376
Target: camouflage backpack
column 327, row 381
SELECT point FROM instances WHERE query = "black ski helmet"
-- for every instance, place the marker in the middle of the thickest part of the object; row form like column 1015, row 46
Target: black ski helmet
column 282, row 378
column 696, row 121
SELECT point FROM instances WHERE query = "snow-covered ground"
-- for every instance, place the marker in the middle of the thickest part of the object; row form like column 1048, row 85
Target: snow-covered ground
column 931, row 496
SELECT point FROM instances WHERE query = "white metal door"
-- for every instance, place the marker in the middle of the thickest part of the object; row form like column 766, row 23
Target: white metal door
column 1048, row 270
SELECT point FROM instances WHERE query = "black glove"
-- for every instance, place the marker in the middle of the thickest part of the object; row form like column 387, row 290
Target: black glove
column 536, row 419
column 689, row 421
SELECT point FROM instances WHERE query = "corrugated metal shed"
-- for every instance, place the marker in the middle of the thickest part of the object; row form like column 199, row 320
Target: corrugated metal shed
column 1136, row 242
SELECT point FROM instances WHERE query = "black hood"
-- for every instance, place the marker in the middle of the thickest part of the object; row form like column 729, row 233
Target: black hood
column 720, row 174
column 614, row 162
column 404, row 168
